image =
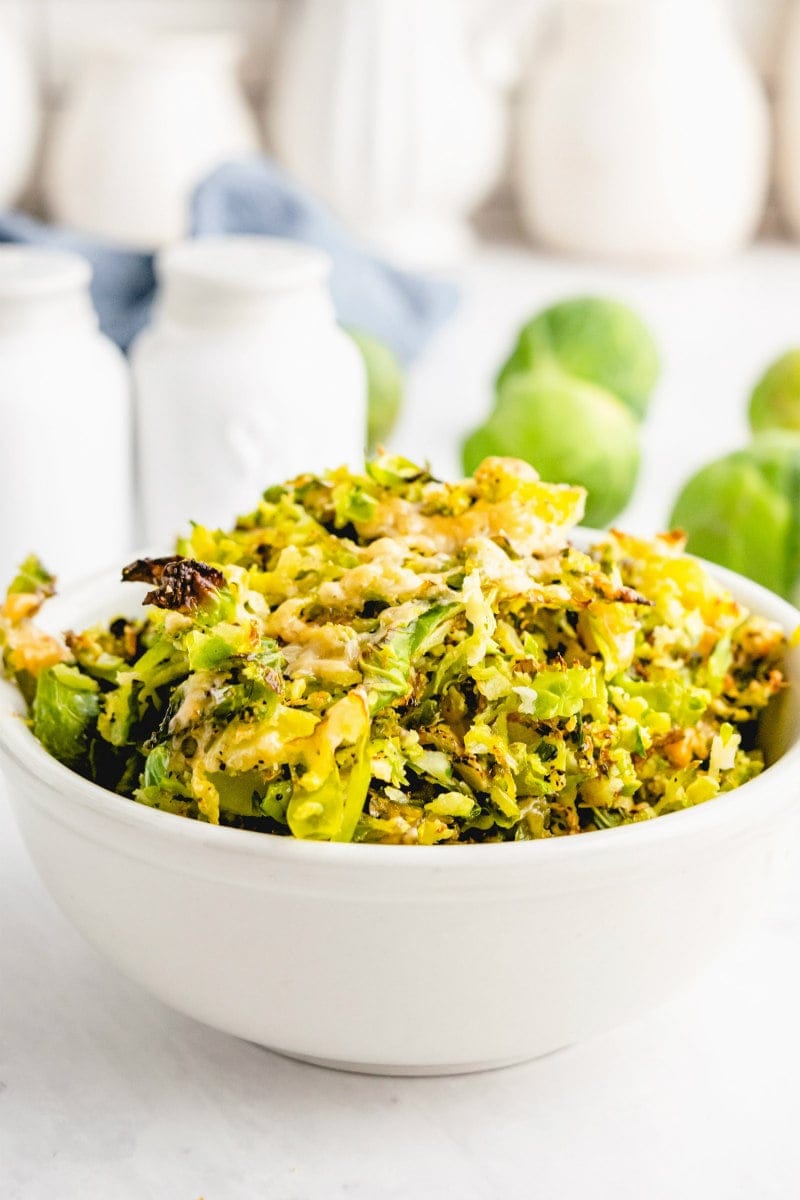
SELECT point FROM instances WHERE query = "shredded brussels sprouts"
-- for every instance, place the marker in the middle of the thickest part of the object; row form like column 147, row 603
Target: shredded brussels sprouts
column 388, row 658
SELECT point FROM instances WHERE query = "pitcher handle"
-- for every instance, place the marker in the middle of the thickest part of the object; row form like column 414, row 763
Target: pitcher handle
column 503, row 40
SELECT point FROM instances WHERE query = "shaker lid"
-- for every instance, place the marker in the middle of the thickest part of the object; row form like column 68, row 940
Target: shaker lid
column 243, row 265
column 28, row 272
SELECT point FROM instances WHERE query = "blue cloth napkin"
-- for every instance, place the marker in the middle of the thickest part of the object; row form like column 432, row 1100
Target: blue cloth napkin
column 257, row 197
column 123, row 281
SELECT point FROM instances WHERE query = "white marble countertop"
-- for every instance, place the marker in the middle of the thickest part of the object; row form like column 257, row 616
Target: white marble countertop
column 105, row 1093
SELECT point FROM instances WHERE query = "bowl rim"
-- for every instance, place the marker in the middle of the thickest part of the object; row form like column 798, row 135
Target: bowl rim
column 728, row 815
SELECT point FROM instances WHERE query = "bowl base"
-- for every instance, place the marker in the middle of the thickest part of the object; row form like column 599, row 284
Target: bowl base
column 356, row 1068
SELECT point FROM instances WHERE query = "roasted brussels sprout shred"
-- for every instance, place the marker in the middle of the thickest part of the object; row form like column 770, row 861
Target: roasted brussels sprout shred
column 388, row 658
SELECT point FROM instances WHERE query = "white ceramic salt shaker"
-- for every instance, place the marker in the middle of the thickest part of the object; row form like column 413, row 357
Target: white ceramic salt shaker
column 145, row 120
column 243, row 380
column 65, row 486
column 643, row 134
column 20, row 118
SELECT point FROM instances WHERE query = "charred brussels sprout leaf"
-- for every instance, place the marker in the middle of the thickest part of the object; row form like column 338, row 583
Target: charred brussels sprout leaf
column 181, row 583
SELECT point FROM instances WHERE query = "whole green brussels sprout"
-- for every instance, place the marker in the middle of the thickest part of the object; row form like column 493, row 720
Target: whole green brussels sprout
column 596, row 340
column 743, row 512
column 384, row 387
column 571, row 432
column 569, row 399
column 775, row 400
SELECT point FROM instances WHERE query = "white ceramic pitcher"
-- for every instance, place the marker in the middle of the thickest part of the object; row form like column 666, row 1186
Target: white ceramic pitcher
column 643, row 134
column 65, row 487
column 383, row 107
column 146, row 119
column 788, row 122
column 19, row 118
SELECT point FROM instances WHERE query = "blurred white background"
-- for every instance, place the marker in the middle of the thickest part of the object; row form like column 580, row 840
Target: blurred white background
column 57, row 32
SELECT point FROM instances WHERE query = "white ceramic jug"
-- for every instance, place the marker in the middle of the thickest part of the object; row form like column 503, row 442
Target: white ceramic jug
column 643, row 134
column 243, row 380
column 19, row 118
column 378, row 106
column 147, row 119
column 65, row 486
column 788, row 122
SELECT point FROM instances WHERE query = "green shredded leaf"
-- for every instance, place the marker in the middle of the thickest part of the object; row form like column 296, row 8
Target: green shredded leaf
column 65, row 711
column 388, row 658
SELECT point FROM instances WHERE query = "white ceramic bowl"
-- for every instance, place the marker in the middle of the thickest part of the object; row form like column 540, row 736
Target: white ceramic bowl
column 399, row 959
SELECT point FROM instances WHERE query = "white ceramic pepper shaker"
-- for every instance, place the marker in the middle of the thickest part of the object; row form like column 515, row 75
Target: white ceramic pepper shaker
column 65, row 487
column 643, row 134
column 145, row 121
column 243, row 380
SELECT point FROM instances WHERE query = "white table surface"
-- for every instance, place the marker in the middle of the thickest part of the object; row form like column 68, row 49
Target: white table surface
column 105, row 1093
